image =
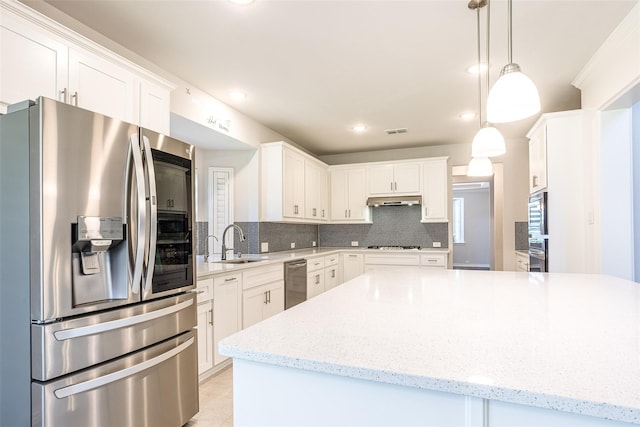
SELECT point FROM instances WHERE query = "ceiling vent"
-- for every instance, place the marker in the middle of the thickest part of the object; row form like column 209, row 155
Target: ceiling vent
column 395, row 131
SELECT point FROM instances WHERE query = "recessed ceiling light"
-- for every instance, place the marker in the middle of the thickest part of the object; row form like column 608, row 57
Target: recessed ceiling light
column 238, row 95
column 359, row 128
column 475, row 68
column 468, row 116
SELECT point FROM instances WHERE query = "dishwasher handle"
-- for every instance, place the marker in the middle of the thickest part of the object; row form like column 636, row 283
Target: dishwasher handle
column 296, row 264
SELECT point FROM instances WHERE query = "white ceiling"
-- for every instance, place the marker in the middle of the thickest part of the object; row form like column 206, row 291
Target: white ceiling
column 313, row 69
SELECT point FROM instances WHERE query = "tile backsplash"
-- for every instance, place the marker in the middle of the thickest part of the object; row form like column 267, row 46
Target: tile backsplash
column 522, row 236
column 392, row 226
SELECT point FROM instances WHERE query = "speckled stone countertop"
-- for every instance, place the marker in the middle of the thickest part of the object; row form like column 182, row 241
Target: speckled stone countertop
column 210, row 268
column 560, row 341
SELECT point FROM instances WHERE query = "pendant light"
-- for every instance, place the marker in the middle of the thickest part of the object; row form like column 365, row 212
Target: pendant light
column 488, row 142
column 480, row 166
column 514, row 96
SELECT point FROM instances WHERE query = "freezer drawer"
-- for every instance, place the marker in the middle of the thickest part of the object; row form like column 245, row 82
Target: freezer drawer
column 64, row 347
column 154, row 387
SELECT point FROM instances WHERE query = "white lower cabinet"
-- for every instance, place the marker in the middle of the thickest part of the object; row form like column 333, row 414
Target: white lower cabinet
column 522, row 261
column 315, row 276
column 388, row 261
column 262, row 293
column 205, row 336
column 352, row 265
column 227, row 308
column 434, row 261
column 262, row 302
column 331, row 271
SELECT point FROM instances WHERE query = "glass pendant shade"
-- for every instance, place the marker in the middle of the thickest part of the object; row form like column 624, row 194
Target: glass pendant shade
column 488, row 142
column 513, row 97
column 480, row 166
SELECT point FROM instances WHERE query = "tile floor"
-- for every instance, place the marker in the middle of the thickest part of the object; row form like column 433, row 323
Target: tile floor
column 216, row 401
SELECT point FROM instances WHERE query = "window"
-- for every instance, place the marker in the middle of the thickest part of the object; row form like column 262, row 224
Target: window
column 458, row 220
column 220, row 206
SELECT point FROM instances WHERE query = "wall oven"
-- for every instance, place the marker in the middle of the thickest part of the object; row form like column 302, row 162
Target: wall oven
column 538, row 233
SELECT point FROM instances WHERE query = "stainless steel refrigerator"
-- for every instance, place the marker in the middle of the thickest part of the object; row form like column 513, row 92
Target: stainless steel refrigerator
column 96, row 271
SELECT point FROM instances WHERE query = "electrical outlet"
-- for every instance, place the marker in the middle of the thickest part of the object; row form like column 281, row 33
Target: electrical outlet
column 436, row 244
column 293, row 245
column 313, row 243
column 264, row 247
column 355, row 243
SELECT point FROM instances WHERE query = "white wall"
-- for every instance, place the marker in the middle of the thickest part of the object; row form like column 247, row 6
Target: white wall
column 610, row 85
column 245, row 181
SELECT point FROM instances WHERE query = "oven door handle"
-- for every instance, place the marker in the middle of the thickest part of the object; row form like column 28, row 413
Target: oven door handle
column 537, row 253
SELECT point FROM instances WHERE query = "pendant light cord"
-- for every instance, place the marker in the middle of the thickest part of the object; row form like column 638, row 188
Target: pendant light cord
column 510, row 47
column 479, row 68
column 488, row 33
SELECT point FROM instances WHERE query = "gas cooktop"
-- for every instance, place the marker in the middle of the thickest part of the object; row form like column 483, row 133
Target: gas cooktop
column 394, row 248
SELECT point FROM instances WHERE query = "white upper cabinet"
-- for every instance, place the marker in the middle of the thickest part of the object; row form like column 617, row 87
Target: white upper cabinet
column 39, row 57
column 32, row 63
column 396, row 179
column 435, row 190
column 538, row 159
column 293, row 185
column 349, row 195
column 315, row 190
column 99, row 85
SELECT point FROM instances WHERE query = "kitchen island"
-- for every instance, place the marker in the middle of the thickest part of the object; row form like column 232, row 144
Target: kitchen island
column 446, row 347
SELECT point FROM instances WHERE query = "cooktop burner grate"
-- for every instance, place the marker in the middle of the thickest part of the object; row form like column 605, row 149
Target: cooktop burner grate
column 393, row 248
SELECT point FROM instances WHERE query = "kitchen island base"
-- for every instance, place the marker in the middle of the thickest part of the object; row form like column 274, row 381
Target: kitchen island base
column 267, row 394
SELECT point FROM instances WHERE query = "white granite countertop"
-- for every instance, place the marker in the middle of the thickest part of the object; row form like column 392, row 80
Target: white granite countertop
column 210, row 268
column 560, row 341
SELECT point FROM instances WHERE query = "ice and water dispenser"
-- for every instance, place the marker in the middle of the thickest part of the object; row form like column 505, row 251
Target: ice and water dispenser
column 99, row 260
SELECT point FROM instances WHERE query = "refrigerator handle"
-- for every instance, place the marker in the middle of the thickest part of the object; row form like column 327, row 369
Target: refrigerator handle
column 136, row 154
column 153, row 212
column 64, row 392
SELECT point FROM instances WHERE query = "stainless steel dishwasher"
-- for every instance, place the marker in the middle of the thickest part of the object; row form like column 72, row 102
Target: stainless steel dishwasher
column 295, row 282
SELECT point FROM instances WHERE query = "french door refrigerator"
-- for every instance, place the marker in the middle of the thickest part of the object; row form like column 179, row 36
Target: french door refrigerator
column 96, row 303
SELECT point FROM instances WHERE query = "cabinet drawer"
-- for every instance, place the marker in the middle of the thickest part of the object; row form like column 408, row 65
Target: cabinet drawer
column 330, row 260
column 314, row 264
column 221, row 280
column 392, row 259
column 435, row 260
column 261, row 275
column 205, row 290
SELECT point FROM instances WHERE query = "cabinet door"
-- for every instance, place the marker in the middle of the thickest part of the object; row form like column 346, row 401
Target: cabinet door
column 434, row 196
column 315, row 283
column 339, row 195
column 311, row 190
column 357, row 188
column 323, row 193
column 155, row 108
column 538, row 161
column 253, row 302
column 293, row 183
column 330, row 277
column 31, row 63
column 101, row 86
column 226, row 310
column 352, row 266
column 275, row 300
column 407, row 178
column 205, row 337
column 381, row 180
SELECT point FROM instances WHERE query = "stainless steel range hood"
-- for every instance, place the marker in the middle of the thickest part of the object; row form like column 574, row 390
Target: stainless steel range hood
column 394, row 201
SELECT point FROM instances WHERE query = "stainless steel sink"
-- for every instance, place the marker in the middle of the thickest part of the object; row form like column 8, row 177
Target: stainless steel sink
column 237, row 261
